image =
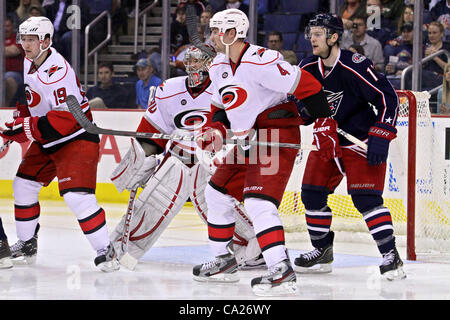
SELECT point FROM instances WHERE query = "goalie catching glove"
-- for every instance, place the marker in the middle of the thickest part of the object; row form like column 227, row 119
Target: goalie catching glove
column 380, row 135
column 135, row 168
column 22, row 130
column 326, row 138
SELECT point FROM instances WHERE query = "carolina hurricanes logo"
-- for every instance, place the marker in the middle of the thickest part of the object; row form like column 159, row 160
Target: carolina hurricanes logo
column 50, row 71
column 259, row 52
column 334, row 100
column 191, row 119
column 233, row 96
column 33, row 98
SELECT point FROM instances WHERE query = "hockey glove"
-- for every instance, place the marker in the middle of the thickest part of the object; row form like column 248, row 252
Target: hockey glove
column 211, row 137
column 22, row 129
column 21, row 111
column 380, row 135
column 326, row 138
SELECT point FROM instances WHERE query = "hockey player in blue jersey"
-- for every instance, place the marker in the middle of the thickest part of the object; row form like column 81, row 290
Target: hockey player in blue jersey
column 365, row 105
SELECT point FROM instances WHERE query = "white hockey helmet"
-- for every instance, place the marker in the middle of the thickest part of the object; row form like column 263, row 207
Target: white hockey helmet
column 230, row 19
column 39, row 26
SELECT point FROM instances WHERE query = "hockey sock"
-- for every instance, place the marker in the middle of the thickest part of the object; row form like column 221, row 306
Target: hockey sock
column 91, row 218
column 27, row 218
column 2, row 231
column 268, row 228
column 319, row 223
column 221, row 220
column 379, row 222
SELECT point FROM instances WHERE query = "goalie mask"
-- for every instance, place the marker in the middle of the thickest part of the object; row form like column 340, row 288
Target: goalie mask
column 197, row 65
column 36, row 26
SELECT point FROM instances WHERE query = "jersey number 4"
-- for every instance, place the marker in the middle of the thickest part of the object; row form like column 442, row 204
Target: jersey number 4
column 282, row 71
column 60, row 95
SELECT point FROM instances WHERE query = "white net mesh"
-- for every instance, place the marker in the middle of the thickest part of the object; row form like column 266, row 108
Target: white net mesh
column 432, row 213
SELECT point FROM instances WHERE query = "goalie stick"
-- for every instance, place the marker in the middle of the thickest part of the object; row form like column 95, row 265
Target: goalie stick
column 127, row 260
column 77, row 112
column 191, row 26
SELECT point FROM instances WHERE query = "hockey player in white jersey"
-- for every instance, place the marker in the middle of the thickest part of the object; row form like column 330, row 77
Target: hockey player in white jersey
column 60, row 148
column 250, row 87
column 180, row 105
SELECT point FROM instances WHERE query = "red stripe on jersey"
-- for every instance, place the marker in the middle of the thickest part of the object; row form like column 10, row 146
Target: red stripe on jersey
column 307, row 86
column 145, row 126
column 270, row 237
column 93, row 222
column 379, row 220
column 26, row 213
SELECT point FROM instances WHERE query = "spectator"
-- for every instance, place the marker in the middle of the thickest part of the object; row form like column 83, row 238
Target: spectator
column 14, row 55
column 178, row 30
column 107, row 94
column 275, row 42
column 356, row 48
column 144, row 71
column 23, row 10
column 36, row 10
column 407, row 16
column 371, row 46
column 350, row 9
column 204, row 24
column 60, row 17
column 392, row 9
column 443, row 97
column 234, row 4
column 386, row 29
column 441, row 11
column 433, row 71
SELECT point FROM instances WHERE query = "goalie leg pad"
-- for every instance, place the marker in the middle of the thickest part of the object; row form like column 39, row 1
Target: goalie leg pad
column 163, row 197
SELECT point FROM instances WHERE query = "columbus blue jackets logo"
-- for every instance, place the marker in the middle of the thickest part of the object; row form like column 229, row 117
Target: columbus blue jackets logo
column 334, row 100
column 52, row 70
column 358, row 58
column 191, row 119
column 233, row 96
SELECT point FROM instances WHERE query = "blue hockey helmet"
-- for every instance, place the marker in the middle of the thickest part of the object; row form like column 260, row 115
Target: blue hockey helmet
column 332, row 23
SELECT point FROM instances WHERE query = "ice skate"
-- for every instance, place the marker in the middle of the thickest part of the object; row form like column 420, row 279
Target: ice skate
column 222, row 269
column 316, row 261
column 25, row 252
column 392, row 266
column 106, row 259
column 279, row 281
column 5, row 255
column 255, row 263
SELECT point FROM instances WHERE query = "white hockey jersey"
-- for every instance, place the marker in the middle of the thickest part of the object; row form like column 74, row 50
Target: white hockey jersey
column 177, row 109
column 46, row 90
column 261, row 79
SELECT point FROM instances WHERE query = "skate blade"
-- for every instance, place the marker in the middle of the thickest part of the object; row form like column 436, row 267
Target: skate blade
column 319, row 268
column 397, row 274
column 6, row 263
column 24, row 260
column 109, row 266
column 223, row 278
column 267, row 290
column 128, row 261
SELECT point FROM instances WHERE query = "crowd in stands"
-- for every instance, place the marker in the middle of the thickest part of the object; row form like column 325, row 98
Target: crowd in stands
column 382, row 30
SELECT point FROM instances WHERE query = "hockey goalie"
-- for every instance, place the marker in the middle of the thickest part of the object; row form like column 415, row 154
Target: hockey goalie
column 172, row 173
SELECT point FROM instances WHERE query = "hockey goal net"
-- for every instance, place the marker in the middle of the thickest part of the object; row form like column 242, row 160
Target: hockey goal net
column 416, row 188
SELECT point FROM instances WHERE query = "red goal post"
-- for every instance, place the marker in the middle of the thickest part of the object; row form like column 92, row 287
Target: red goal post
column 418, row 196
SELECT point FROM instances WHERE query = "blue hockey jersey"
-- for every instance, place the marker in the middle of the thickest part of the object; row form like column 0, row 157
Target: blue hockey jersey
column 358, row 95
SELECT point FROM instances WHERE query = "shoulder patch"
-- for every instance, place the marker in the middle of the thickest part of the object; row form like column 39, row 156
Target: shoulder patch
column 358, row 58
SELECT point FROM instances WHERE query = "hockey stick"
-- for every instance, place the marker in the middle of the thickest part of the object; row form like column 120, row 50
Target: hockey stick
column 191, row 26
column 75, row 109
column 353, row 139
column 6, row 145
column 127, row 260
